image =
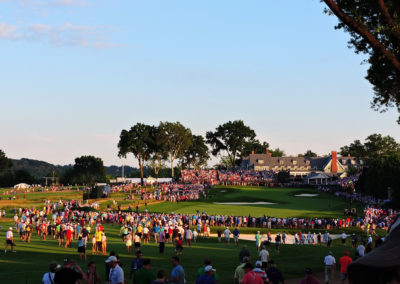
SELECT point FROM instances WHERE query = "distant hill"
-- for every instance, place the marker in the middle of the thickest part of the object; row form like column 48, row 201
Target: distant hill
column 41, row 169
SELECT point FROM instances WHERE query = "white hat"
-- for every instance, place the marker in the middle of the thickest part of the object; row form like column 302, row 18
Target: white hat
column 112, row 258
column 10, row 228
column 208, row 268
column 258, row 263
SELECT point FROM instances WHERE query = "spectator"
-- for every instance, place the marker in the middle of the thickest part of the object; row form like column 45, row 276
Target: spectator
column 161, row 278
column 274, row 274
column 309, row 279
column 344, row 262
column 177, row 274
column 201, row 270
column 48, row 278
column 144, row 275
column 69, row 273
column 116, row 272
column 207, row 277
column 250, row 277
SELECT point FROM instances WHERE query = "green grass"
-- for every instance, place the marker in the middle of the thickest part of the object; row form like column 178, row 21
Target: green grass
column 287, row 204
column 30, row 261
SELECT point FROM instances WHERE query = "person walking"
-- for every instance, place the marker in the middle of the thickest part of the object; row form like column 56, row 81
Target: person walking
column 177, row 274
column 344, row 262
column 330, row 267
column 309, row 279
column 116, row 273
column 9, row 240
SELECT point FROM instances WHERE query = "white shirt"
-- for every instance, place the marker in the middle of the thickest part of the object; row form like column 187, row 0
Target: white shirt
column 329, row 260
column 264, row 255
column 116, row 275
column 361, row 250
column 46, row 278
column 9, row 235
column 227, row 233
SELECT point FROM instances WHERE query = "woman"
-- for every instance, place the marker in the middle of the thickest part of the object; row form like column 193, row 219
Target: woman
column 103, row 243
column 92, row 274
column 94, row 244
column 137, row 241
column 128, row 242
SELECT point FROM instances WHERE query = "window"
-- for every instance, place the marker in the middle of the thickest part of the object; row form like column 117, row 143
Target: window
column 307, row 162
column 260, row 161
column 281, row 162
column 294, row 162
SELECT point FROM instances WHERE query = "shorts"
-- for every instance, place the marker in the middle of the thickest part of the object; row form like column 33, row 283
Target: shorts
column 9, row 242
column 137, row 245
column 179, row 247
column 82, row 249
column 343, row 276
column 99, row 244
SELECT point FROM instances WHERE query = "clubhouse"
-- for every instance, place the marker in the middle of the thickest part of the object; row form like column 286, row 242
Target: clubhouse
column 303, row 167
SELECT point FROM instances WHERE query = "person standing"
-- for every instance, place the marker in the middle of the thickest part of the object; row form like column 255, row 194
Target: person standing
column 236, row 234
column 9, row 240
column 250, row 277
column 344, row 262
column 274, row 274
column 92, row 274
column 177, row 274
column 207, row 277
column 330, row 267
column 144, row 275
column 188, row 236
column 69, row 274
column 227, row 235
column 137, row 263
column 116, row 273
column 48, row 278
column 258, row 238
column 201, row 270
column 239, row 271
column 264, row 257
column 161, row 241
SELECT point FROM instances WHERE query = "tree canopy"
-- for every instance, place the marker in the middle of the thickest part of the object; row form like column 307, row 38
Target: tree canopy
column 5, row 163
column 197, row 154
column 140, row 141
column 90, row 168
column 375, row 145
column 308, row 154
column 230, row 137
column 374, row 28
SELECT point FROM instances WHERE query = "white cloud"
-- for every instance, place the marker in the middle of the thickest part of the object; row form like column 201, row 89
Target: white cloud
column 66, row 34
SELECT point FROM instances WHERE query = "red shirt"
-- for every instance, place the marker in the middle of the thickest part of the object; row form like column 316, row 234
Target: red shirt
column 344, row 262
column 252, row 278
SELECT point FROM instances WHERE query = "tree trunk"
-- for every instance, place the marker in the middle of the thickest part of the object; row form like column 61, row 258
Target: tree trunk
column 172, row 167
column 141, row 172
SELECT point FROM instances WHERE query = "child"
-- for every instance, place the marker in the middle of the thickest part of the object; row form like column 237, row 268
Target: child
column 128, row 242
column 94, row 244
column 179, row 246
column 81, row 247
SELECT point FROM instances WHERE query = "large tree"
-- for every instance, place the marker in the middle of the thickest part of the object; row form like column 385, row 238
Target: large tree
column 160, row 151
column 90, row 169
column 277, row 152
column 308, row 154
column 374, row 28
column 230, row 137
column 355, row 149
column 5, row 163
column 177, row 138
column 256, row 146
column 197, row 154
column 139, row 141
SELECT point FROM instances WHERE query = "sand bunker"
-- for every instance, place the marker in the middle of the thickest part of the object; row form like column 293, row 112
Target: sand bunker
column 245, row 203
column 306, row 195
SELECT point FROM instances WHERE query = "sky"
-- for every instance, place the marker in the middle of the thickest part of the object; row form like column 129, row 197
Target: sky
column 74, row 73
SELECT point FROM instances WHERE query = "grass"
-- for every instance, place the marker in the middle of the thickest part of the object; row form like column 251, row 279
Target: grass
column 287, row 204
column 30, row 261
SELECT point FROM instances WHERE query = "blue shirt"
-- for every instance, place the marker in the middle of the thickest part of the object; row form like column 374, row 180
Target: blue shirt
column 205, row 279
column 236, row 232
column 178, row 272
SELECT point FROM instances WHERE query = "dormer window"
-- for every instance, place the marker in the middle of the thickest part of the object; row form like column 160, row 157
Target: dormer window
column 260, row 161
column 281, row 162
column 294, row 162
column 307, row 162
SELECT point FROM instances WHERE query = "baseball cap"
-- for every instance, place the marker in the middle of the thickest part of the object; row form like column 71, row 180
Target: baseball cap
column 111, row 259
column 10, row 228
column 208, row 268
column 258, row 263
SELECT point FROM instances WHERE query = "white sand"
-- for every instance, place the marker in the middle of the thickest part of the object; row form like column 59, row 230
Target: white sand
column 307, row 195
column 245, row 203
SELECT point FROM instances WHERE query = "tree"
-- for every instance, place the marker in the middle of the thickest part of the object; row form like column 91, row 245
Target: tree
column 355, row 149
column 139, row 141
column 177, row 140
column 160, row 152
column 5, row 163
column 197, row 154
column 375, row 145
column 90, row 169
column 277, row 152
column 308, row 154
column 374, row 28
column 232, row 138
column 256, row 146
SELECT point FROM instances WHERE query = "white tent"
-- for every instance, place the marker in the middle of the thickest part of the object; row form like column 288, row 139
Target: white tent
column 22, row 186
column 151, row 180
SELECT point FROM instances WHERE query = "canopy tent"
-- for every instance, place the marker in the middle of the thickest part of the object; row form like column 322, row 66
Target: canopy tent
column 22, row 186
column 317, row 178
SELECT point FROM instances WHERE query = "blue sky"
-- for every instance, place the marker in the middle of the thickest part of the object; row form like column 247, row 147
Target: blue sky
column 76, row 72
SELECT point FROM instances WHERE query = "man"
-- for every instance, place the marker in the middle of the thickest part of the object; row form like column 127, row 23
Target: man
column 116, row 273
column 137, row 263
column 264, row 257
column 274, row 274
column 261, row 272
column 258, row 238
column 177, row 274
column 343, row 237
column 330, row 267
column 227, row 235
column 144, row 275
column 161, row 241
column 69, row 274
column 344, row 262
column 239, row 271
column 236, row 234
column 244, row 252
column 9, row 240
column 250, row 277
column 188, row 236
column 309, row 279
column 361, row 249
column 201, row 270
column 207, row 277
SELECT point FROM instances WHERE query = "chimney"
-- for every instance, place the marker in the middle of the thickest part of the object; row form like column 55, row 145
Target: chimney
column 267, row 151
column 334, row 162
column 348, row 155
column 252, row 152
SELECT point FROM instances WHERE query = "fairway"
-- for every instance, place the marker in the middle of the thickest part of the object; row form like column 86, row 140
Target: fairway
column 284, row 203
